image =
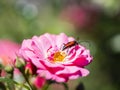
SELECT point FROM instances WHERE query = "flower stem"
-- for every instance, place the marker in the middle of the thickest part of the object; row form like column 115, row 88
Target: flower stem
column 46, row 86
column 28, row 81
column 65, row 86
column 25, row 77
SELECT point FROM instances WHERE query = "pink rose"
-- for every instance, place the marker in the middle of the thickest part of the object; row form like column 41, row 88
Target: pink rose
column 8, row 51
column 38, row 82
column 52, row 62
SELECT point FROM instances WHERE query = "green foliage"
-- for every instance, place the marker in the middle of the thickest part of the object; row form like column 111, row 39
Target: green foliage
column 18, row 23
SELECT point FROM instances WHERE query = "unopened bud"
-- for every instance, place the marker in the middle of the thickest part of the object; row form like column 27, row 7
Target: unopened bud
column 9, row 69
column 38, row 81
column 19, row 63
column 30, row 68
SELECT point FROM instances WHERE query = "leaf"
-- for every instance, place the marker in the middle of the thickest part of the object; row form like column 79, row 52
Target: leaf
column 7, row 80
column 10, row 82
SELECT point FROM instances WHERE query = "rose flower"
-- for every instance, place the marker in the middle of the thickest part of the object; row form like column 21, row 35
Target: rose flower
column 52, row 61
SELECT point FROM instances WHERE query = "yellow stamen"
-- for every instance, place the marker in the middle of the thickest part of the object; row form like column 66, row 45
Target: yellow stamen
column 59, row 57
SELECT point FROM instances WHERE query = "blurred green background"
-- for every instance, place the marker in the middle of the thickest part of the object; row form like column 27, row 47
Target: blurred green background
column 95, row 23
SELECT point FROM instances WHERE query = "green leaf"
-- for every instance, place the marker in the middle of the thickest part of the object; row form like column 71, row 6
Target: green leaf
column 7, row 80
column 10, row 82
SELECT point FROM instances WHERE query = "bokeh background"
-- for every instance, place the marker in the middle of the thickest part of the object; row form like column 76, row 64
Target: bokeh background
column 94, row 23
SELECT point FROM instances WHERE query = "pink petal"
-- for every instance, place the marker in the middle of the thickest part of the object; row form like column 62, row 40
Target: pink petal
column 44, row 42
column 70, row 39
column 61, row 40
column 51, row 38
column 81, row 61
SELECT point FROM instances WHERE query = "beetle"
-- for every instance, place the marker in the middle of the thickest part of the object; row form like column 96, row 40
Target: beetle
column 69, row 44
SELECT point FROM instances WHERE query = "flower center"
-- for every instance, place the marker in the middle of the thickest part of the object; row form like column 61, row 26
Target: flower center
column 59, row 56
